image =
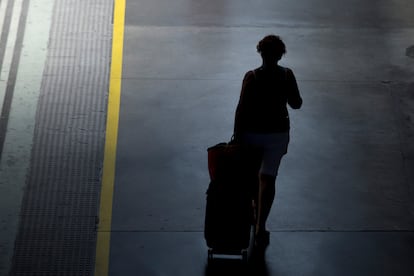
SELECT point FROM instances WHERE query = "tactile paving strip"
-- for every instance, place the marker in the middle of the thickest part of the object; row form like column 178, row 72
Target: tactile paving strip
column 57, row 231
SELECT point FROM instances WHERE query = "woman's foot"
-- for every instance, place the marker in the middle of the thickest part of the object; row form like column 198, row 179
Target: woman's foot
column 262, row 239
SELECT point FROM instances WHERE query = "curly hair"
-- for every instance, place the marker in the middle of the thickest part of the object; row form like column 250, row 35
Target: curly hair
column 271, row 45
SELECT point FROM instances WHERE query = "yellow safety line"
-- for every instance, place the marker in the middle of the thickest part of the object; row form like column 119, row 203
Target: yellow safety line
column 108, row 177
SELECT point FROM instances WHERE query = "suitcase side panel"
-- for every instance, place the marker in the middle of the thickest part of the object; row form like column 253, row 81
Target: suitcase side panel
column 228, row 219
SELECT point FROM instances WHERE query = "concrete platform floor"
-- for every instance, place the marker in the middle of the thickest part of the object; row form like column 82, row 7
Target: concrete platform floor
column 345, row 191
column 344, row 203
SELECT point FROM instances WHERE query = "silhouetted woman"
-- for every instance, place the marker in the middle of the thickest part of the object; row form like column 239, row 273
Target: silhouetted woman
column 262, row 120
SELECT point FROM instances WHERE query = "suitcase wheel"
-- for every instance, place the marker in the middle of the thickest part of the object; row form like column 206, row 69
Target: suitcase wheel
column 210, row 256
column 245, row 256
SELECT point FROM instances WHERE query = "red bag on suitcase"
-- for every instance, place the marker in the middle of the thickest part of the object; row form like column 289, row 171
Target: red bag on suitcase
column 233, row 160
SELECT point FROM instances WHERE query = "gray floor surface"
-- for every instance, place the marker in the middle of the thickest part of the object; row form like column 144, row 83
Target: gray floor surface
column 345, row 190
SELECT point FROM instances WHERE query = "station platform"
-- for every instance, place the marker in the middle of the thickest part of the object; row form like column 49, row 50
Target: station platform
column 108, row 108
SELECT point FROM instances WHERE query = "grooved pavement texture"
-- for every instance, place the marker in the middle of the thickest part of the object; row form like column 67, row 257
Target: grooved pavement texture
column 57, row 230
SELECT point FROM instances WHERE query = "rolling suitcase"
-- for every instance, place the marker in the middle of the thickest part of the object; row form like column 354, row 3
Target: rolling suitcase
column 230, row 216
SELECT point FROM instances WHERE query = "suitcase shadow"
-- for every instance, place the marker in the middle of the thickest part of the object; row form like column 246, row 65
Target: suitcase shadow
column 223, row 266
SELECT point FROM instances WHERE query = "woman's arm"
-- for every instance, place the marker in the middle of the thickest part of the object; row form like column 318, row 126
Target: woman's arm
column 294, row 99
column 241, row 106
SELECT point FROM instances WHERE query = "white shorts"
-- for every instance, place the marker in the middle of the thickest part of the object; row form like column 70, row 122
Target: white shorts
column 274, row 146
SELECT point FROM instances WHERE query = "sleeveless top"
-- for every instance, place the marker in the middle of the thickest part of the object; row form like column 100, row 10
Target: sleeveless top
column 262, row 106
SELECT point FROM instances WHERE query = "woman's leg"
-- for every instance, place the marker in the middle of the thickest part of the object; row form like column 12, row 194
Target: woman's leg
column 274, row 148
column 266, row 195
